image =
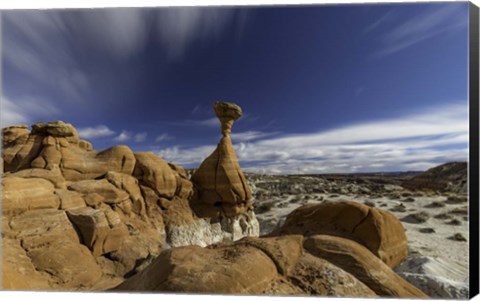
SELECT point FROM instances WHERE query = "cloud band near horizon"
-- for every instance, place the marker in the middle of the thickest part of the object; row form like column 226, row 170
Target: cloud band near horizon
column 410, row 142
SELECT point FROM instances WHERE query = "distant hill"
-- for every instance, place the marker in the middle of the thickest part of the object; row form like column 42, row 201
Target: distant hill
column 450, row 176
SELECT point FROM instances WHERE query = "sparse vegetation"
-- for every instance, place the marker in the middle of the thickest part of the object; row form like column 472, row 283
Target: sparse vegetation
column 416, row 218
column 426, row 230
column 435, row 204
column 458, row 237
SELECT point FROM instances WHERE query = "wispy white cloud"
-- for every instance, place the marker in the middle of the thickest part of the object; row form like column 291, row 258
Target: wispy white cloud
column 123, row 136
column 413, row 141
column 43, row 46
column 35, row 44
column 25, row 110
column 249, row 135
column 196, row 109
column 180, row 27
column 377, row 23
column 447, row 18
column 140, row 137
column 95, row 132
column 185, row 155
column 11, row 113
column 120, row 32
column 163, row 137
column 209, row 122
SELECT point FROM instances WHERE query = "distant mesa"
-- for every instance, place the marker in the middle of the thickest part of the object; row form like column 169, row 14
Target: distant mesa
column 450, row 176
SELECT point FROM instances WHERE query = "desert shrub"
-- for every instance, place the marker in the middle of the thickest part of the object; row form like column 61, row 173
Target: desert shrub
column 426, row 230
column 264, row 207
column 435, row 204
column 416, row 218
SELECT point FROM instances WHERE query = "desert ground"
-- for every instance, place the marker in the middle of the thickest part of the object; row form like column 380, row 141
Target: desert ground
column 436, row 223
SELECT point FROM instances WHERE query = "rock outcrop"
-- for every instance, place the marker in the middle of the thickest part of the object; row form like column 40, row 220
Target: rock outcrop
column 277, row 265
column 113, row 211
column 448, row 177
column 79, row 219
column 221, row 185
column 378, row 230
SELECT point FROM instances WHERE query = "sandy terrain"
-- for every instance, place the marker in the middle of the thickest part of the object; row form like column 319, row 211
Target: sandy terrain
column 436, row 224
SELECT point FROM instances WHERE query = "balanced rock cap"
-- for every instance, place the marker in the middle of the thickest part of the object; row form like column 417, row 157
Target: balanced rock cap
column 227, row 110
column 56, row 129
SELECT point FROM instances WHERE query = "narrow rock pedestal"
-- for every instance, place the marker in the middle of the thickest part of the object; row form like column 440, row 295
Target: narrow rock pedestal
column 222, row 189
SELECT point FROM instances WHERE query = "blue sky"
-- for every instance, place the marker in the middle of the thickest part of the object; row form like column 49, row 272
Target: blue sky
column 325, row 88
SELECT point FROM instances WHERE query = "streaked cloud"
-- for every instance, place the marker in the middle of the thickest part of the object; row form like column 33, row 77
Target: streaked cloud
column 209, row 122
column 186, row 156
column 140, row 137
column 163, row 137
column 377, row 23
column 37, row 46
column 409, row 142
column 249, row 135
column 25, row 110
column 45, row 47
column 119, row 32
column 179, row 27
column 413, row 30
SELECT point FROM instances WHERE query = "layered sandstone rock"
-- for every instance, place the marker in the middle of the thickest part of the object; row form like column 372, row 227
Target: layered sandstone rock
column 53, row 145
column 222, row 187
column 113, row 210
column 378, row 230
column 285, row 265
column 79, row 219
column 309, row 262
column 357, row 260
column 20, row 194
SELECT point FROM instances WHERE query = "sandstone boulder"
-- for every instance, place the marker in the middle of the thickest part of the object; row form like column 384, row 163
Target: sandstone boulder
column 274, row 265
column 318, row 277
column 155, row 173
column 56, row 145
column 41, row 227
column 80, row 164
column 18, row 154
column 70, row 199
column 101, row 233
column 55, row 129
column 103, row 187
column 180, row 170
column 71, row 264
column 130, row 185
column 211, row 270
column 20, row 194
column 360, row 262
column 18, row 271
column 378, row 230
column 54, row 175
column 12, row 133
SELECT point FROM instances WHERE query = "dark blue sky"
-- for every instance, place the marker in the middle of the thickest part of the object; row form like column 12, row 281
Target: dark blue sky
column 325, row 88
